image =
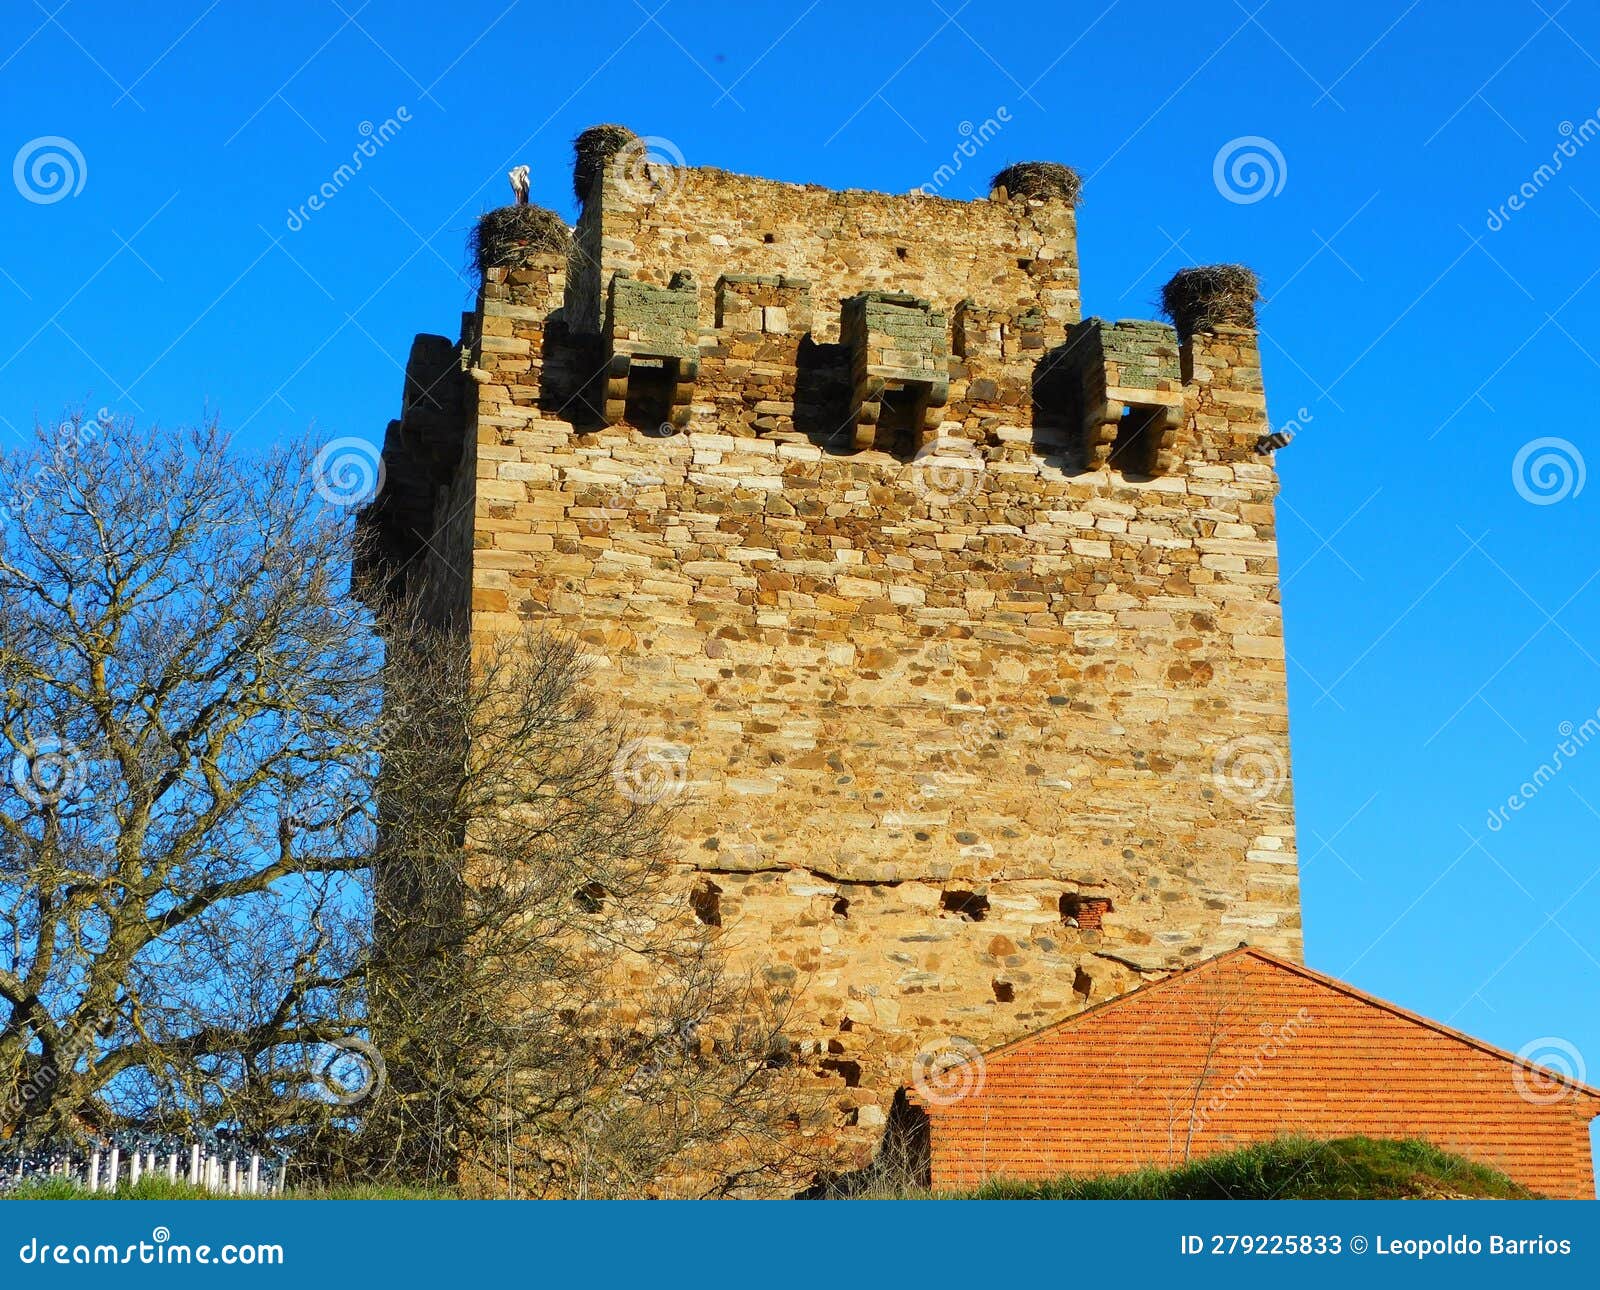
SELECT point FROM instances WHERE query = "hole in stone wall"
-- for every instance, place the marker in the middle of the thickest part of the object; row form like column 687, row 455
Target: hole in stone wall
column 1082, row 984
column 900, row 251
column 841, row 907
column 1004, row 991
column 847, row 1070
column 967, row 904
column 900, row 421
column 589, row 897
column 769, row 238
column 651, row 383
column 1084, row 912
column 706, row 901
column 1134, row 451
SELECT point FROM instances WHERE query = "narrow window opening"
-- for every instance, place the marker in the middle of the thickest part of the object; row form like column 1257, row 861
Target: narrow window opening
column 1134, row 451
column 900, row 420
column 651, row 385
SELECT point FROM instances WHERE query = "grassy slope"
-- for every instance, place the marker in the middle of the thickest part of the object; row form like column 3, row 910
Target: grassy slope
column 1287, row 1169
column 1283, row 1169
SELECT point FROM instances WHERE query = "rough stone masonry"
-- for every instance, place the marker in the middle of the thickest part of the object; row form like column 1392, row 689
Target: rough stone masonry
column 952, row 618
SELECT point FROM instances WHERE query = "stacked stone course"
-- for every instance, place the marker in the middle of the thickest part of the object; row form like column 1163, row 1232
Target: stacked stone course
column 957, row 706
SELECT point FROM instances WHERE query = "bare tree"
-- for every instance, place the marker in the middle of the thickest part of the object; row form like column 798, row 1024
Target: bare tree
column 242, row 830
column 554, row 1017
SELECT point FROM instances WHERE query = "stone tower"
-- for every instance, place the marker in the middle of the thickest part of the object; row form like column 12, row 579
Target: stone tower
column 951, row 618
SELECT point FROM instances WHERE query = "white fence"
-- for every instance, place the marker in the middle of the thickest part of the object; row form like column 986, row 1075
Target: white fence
column 111, row 1169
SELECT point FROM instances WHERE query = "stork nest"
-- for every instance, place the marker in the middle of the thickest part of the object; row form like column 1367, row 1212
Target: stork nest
column 592, row 149
column 508, row 237
column 1047, row 180
column 1217, row 295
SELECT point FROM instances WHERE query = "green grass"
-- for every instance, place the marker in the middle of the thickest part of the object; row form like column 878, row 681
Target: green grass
column 1286, row 1169
column 1282, row 1169
column 161, row 1189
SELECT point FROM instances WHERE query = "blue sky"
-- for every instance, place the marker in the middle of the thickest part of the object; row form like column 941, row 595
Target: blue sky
column 1441, row 620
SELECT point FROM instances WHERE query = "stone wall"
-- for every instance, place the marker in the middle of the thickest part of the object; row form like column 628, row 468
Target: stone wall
column 966, row 736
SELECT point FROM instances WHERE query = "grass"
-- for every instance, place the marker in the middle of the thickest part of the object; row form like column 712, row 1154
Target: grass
column 1282, row 1169
column 1287, row 1169
column 161, row 1189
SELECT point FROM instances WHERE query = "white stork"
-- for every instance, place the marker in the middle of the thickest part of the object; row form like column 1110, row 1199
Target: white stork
column 518, row 175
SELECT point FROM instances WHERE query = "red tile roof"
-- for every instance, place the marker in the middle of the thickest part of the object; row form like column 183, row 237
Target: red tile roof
column 1240, row 1048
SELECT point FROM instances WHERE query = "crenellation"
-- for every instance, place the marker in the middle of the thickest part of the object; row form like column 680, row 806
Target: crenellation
column 983, row 656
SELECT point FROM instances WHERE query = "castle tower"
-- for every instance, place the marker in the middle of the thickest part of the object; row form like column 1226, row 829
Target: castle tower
column 952, row 618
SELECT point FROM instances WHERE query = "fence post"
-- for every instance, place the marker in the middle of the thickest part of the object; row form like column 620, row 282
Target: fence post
column 94, row 1171
column 255, row 1175
column 114, row 1169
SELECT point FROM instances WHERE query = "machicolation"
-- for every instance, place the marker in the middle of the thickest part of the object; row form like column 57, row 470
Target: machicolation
column 960, row 610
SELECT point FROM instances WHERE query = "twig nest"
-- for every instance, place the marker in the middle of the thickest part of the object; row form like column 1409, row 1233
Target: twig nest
column 1046, row 180
column 591, row 150
column 1214, row 295
column 508, row 237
